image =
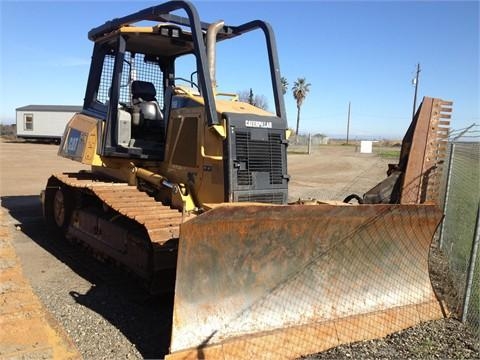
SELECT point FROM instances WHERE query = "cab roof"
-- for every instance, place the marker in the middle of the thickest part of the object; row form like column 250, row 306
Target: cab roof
column 166, row 40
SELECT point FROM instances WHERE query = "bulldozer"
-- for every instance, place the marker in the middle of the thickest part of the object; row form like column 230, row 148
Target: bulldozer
column 188, row 190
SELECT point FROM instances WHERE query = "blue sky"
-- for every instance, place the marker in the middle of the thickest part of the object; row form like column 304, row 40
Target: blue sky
column 363, row 52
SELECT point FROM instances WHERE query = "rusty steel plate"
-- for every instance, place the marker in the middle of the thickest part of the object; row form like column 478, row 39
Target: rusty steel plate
column 283, row 281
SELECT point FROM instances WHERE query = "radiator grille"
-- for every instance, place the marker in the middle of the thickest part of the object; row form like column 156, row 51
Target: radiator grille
column 259, row 156
column 270, row 198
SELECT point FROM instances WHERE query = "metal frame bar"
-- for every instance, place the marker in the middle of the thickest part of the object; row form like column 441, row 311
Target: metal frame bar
column 471, row 267
column 447, row 192
column 110, row 138
column 273, row 61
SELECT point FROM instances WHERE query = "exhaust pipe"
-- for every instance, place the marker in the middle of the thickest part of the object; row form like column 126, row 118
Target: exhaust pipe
column 212, row 32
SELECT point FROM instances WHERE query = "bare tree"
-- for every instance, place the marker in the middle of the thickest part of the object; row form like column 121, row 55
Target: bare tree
column 248, row 96
column 300, row 90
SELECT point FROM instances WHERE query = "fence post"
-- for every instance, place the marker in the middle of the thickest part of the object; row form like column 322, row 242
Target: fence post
column 309, row 147
column 447, row 192
column 471, row 267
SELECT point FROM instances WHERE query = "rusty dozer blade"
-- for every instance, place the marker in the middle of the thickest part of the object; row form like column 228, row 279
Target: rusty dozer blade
column 284, row 281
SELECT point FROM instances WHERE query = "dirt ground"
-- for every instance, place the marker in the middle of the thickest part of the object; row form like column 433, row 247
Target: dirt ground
column 26, row 167
column 105, row 313
column 334, row 172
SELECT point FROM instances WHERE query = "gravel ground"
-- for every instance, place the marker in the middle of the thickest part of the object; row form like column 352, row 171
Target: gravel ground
column 441, row 339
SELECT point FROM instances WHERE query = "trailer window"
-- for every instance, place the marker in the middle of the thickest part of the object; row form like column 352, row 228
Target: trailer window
column 28, row 122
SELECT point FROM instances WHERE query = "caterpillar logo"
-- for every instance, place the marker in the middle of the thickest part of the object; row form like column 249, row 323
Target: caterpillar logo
column 258, row 124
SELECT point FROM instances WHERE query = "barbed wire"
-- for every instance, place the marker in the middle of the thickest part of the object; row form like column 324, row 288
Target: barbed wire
column 471, row 131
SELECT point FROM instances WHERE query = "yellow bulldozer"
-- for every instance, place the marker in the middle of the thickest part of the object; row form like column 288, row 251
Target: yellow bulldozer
column 188, row 189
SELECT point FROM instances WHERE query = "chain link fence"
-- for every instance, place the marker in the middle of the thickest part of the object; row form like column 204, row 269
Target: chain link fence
column 460, row 228
column 304, row 143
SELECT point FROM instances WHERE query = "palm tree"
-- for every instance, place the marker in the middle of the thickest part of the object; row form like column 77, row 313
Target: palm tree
column 300, row 90
column 284, row 85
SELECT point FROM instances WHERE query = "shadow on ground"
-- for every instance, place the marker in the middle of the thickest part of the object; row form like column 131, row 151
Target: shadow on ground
column 144, row 319
column 15, row 140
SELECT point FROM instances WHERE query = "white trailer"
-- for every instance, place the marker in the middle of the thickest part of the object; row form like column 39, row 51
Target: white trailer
column 44, row 122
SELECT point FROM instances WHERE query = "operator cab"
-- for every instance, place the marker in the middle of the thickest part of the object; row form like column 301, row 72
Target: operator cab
column 131, row 84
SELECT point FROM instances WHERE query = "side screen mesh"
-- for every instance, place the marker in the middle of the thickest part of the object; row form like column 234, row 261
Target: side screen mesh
column 134, row 68
column 106, row 79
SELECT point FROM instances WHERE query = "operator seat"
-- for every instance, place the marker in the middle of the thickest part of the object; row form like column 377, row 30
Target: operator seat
column 147, row 115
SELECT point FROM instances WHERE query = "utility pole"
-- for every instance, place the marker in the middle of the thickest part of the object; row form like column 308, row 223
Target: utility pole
column 348, row 121
column 415, row 83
